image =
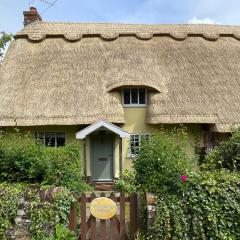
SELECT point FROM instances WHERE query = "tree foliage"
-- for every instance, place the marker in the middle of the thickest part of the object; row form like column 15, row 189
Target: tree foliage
column 162, row 161
column 226, row 155
column 4, row 39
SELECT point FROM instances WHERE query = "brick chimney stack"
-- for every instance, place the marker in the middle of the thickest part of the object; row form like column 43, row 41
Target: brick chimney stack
column 31, row 16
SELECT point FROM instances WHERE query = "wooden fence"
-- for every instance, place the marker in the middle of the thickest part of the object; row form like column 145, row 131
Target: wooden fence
column 117, row 223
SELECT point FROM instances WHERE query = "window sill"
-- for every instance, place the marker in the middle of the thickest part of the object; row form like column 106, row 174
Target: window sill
column 130, row 157
column 134, row 105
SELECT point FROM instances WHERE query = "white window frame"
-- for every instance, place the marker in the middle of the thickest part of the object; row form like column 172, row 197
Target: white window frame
column 134, row 104
column 55, row 137
column 140, row 135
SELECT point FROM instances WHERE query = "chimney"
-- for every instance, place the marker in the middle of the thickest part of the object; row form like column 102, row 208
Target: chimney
column 31, row 16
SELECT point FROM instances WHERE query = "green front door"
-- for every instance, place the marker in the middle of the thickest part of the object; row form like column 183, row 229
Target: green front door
column 102, row 157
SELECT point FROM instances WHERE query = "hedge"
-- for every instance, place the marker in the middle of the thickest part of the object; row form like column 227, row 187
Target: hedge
column 190, row 205
column 207, row 207
column 22, row 159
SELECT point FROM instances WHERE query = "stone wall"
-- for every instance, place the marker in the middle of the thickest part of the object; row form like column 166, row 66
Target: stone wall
column 151, row 209
column 20, row 229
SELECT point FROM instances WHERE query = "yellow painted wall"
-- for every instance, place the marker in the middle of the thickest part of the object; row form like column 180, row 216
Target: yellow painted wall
column 135, row 119
column 135, row 122
column 70, row 131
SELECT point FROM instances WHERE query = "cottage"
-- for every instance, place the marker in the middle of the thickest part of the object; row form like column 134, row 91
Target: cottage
column 109, row 85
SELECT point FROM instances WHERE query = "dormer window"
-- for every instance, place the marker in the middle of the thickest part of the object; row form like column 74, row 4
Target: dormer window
column 134, row 97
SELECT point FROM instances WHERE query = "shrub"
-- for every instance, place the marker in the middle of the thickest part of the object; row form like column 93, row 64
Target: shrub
column 63, row 233
column 162, row 160
column 206, row 208
column 22, row 159
column 226, row 155
column 126, row 183
column 66, row 167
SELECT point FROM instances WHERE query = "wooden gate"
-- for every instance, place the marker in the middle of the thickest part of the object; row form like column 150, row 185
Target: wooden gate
column 117, row 229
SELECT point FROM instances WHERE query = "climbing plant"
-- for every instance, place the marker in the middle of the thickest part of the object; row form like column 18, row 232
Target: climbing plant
column 207, row 207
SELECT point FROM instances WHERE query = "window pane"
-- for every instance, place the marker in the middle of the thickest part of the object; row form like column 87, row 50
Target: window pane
column 142, row 99
column 126, row 96
column 50, row 139
column 134, row 144
column 136, row 137
column 60, row 139
column 134, row 93
column 136, row 150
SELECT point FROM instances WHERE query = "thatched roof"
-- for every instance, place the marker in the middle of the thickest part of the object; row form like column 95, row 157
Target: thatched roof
column 67, row 73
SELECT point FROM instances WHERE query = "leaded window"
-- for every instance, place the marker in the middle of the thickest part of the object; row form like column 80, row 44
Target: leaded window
column 134, row 97
column 51, row 139
column 135, row 143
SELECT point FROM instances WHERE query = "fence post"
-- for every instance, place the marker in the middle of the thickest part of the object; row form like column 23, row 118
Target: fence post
column 113, row 220
column 133, row 215
column 93, row 222
column 83, row 217
column 73, row 217
column 122, row 216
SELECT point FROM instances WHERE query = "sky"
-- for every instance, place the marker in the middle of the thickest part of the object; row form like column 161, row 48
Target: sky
column 123, row 11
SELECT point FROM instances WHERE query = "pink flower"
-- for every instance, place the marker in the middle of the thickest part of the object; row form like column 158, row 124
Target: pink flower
column 184, row 178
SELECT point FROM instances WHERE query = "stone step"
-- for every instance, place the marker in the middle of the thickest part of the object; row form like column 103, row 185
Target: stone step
column 103, row 186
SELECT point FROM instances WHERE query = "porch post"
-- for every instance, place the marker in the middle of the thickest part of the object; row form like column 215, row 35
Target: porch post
column 85, row 159
column 120, row 157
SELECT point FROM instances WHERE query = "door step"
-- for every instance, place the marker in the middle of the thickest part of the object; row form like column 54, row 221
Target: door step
column 103, row 186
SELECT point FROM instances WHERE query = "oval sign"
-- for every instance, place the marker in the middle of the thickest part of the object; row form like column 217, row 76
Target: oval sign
column 103, row 208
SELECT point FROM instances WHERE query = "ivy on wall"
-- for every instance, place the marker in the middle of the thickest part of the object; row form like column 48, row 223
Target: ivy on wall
column 9, row 199
column 46, row 214
column 208, row 207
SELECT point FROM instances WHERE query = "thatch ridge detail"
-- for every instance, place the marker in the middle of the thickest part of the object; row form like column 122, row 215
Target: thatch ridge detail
column 108, row 31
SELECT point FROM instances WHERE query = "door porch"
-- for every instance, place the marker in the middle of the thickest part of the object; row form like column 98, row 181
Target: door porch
column 102, row 151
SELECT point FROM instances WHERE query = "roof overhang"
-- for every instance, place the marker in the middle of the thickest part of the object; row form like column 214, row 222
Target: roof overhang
column 102, row 123
column 124, row 84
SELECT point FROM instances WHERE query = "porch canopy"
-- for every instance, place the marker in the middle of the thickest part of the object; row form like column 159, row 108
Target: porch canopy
column 102, row 124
